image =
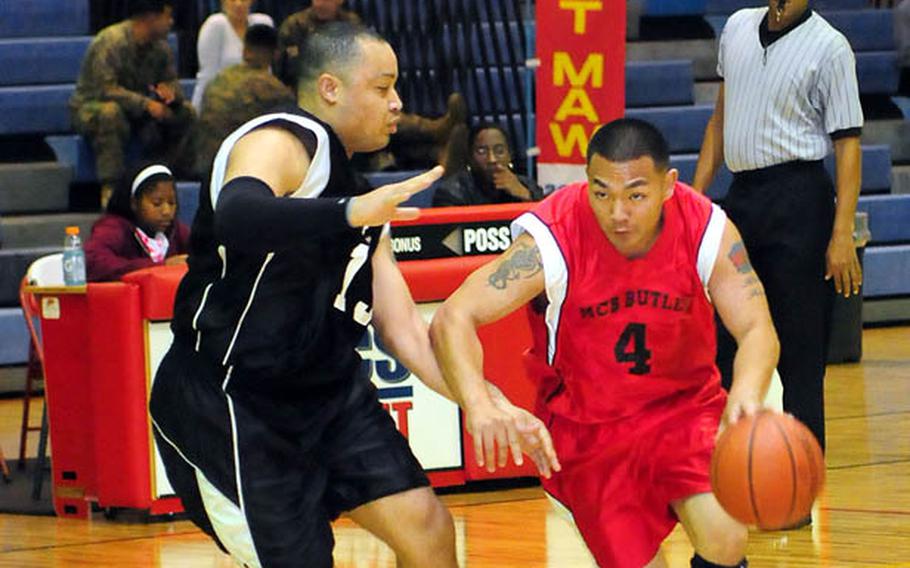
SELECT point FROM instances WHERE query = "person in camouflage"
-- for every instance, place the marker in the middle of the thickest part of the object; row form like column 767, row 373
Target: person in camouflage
column 297, row 26
column 239, row 93
column 128, row 84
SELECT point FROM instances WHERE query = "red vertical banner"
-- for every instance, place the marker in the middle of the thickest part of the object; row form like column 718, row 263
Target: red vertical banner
column 580, row 81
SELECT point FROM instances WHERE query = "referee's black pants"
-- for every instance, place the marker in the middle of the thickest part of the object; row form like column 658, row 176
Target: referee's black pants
column 785, row 214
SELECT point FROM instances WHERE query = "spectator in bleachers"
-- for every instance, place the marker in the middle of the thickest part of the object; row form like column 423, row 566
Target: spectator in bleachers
column 239, row 93
column 902, row 39
column 297, row 26
column 128, row 84
column 140, row 228
column 789, row 96
column 220, row 42
column 489, row 176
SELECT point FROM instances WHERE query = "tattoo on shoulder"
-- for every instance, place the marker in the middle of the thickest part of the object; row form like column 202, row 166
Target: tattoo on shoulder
column 523, row 262
column 740, row 258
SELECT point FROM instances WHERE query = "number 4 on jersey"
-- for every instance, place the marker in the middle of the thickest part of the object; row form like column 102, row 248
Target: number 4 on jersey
column 633, row 336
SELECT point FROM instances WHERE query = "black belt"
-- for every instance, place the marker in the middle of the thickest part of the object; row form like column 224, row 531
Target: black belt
column 777, row 170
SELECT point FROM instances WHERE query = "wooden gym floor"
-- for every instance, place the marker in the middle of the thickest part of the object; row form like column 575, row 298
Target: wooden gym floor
column 862, row 519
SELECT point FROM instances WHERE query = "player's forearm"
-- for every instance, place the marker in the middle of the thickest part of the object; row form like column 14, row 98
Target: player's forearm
column 711, row 155
column 848, row 163
column 410, row 345
column 249, row 218
column 756, row 358
column 460, row 356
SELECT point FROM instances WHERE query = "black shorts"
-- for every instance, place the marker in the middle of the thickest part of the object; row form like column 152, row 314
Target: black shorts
column 267, row 495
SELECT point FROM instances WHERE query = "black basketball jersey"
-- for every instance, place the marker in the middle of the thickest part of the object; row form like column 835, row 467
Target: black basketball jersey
column 289, row 319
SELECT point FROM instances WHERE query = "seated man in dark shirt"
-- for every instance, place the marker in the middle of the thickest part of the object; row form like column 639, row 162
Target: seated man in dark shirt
column 488, row 178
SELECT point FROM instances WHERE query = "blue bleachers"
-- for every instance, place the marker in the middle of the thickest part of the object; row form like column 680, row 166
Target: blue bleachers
column 674, row 7
column 867, row 30
column 47, row 60
column 483, row 45
column 648, row 84
column 27, row 105
column 14, row 347
column 876, row 172
column 659, row 83
column 35, row 109
column 74, row 151
column 686, row 164
column 40, row 61
column 886, row 271
column 683, row 126
column 34, row 18
column 877, row 72
column 187, row 201
column 410, row 15
column 889, row 217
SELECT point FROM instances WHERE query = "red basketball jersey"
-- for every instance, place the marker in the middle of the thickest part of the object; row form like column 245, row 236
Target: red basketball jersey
column 625, row 335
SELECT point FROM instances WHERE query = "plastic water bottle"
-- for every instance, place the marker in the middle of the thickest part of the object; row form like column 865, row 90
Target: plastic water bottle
column 73, row 258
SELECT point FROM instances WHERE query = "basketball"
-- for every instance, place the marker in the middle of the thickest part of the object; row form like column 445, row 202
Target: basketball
column 767, row 470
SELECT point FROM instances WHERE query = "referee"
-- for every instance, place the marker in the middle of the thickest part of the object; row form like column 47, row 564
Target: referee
column 789, row 95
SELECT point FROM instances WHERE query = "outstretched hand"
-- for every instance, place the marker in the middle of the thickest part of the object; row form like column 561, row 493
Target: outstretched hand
column 507, row 428
column 382, row 204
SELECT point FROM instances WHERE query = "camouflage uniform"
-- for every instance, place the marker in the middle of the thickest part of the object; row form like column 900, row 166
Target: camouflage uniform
column 293, row 31
column 110, row 100
column 236, row 95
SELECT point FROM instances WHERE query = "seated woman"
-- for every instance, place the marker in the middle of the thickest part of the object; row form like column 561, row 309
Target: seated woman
column 220, row 42
column 140, row 228
column 488, row 177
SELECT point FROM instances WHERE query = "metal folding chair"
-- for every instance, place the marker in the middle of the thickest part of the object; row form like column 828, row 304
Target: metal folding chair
column 45, row 271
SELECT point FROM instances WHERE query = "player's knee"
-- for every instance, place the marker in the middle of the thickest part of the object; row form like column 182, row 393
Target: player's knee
column 725, row 547
column 433, row 522
column 438, row 522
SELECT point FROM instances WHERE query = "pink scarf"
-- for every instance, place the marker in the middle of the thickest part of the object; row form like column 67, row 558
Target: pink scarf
column 156, row 248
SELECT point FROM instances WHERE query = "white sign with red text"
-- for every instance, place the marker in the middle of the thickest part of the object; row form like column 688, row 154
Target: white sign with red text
column 430, row 422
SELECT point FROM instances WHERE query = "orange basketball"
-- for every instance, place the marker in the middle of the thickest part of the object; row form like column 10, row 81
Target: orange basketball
column 767, row 470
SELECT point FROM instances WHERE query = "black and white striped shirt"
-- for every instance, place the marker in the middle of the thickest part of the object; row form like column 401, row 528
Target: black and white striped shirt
column 784, row 101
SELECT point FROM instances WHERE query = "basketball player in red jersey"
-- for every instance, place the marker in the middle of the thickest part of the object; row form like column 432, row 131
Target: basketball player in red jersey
column 631, row 264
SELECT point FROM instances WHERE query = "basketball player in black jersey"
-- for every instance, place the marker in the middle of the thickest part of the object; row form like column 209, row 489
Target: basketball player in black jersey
column 266, row 422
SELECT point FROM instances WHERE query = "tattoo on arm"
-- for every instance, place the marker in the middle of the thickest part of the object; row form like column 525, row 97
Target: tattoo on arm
column 524, row 262
column 753, row 284
column 740, row 258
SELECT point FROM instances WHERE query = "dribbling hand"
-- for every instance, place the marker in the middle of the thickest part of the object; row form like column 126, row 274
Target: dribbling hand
column 382, row 205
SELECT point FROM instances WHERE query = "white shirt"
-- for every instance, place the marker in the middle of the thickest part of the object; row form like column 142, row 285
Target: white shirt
column 219, row 47
column 782, row 102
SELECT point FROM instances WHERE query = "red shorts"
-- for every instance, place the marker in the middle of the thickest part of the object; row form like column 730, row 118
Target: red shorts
column 619, row 479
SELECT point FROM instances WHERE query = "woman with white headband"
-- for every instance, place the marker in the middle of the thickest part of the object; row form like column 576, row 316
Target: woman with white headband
column 140, row 228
